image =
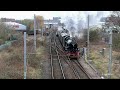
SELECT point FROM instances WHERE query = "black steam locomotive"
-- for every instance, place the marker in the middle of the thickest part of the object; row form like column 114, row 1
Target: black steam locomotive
column 68, row 43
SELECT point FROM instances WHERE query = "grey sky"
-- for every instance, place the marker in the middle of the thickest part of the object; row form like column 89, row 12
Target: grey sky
column 46, row 14
column 75, row 15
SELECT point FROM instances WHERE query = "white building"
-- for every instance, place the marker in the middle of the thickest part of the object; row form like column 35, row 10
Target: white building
column 16, row 26
column 52, row 22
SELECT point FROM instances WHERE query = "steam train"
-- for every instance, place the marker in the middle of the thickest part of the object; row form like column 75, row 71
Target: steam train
column 68, row 43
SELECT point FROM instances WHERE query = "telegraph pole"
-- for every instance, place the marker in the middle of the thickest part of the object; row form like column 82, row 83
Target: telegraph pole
column 34, row 33
column 88, row 38
column 110, row 55
column 25, row 60
column 42, row 32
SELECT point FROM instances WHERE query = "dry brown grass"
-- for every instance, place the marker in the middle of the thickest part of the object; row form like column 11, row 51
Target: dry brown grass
column 12, row 62
column 1, row 41
column 101, row 63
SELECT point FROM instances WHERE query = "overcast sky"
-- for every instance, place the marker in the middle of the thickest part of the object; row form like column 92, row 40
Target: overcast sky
column 75, row 15
column 47, row 14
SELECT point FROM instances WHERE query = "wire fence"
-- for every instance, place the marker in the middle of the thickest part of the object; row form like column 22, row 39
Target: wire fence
column 11, row 53
column 100, row 54
column 12, row 64
column 99, row 51
column 35, row 57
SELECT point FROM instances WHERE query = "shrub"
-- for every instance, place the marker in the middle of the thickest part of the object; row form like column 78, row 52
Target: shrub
column 116, row 41
column 5, row 32
column 94, row 35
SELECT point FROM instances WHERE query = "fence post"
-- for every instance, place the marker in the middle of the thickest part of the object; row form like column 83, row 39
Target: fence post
column 25, row 61
column 110, row 55
column 34, row 33
column 85, row 55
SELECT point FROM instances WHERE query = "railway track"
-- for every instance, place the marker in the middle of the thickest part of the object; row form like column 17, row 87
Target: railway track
column 83, row 73
column 58, row 59
column 76, row 68
column 65, row 60
column 56, row 73
column 75, row 65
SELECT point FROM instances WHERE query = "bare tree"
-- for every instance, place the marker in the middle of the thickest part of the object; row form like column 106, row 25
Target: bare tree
column 113, row 20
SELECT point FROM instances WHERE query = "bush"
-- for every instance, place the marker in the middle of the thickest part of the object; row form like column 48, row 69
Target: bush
column 94, row 34
column 31, row 32
column 1, row 41
column 85, row 34
column 116, row 41
column 5, row 32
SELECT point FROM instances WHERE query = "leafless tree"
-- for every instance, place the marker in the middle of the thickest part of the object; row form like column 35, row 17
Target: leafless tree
column 113, row 20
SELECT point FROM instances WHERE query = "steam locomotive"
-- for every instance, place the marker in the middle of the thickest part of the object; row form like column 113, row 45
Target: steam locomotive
column 68, row 43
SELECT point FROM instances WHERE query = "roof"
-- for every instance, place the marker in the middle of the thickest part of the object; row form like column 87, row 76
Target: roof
column 12, row 23
column 15, row 25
